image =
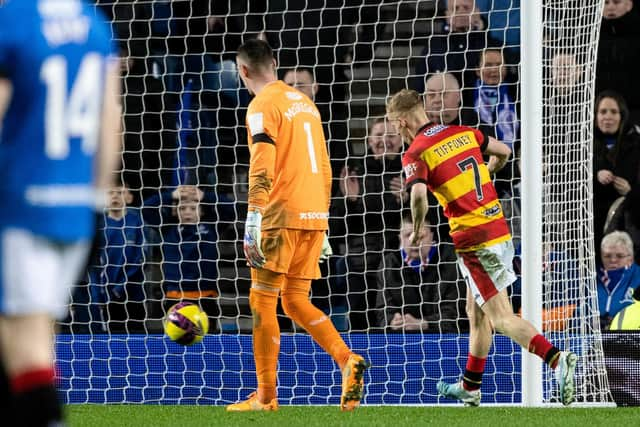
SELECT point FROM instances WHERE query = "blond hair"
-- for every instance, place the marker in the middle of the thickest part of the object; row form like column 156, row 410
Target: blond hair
column 404, row 102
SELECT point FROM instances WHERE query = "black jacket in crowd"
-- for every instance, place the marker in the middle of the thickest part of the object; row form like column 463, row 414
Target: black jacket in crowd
column 436, row 295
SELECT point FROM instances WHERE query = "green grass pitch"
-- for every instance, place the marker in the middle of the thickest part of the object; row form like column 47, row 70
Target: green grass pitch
column 325, row 416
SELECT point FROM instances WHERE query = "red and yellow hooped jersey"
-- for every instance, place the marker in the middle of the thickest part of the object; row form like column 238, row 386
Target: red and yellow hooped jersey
column 448, row 159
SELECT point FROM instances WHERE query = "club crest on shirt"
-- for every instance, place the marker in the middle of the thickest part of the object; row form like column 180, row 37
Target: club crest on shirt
column 628, row 296
column 293, row 96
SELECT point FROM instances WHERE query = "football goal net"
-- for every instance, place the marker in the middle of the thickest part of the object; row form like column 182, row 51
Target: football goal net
column 173, row 230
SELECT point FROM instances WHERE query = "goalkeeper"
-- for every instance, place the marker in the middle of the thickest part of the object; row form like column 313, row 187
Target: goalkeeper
column 448, row 161
column 287, row 219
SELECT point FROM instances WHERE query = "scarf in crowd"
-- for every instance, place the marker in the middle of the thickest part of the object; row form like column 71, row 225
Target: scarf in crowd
column 495, row 107
column 611, row 278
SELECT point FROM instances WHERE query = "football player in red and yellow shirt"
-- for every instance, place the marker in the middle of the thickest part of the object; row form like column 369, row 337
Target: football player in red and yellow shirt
column 447, row 160
column 285, row 231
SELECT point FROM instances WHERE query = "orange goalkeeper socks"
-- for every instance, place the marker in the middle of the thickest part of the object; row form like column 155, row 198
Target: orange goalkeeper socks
column 296, row 304
column 266, row 340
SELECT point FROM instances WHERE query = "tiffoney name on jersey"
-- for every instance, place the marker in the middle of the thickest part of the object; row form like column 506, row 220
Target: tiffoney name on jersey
column 301, row 107
column 452, row 144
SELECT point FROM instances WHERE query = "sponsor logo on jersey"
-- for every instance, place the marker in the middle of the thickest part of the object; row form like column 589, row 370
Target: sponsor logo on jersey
column 435, row 129
column 492, row 211
column 410, row 169
column 314, row 215
column 61, row 195
column 63, row 22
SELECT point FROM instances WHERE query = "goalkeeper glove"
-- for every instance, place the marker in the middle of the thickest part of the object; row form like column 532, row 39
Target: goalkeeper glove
column 326, row 251
column 252, row 239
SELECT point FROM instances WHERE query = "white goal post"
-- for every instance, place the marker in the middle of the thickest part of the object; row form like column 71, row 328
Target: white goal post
column 560, row 37
column 532, row 111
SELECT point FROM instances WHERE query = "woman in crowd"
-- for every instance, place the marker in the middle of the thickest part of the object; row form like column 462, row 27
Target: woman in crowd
column 616, row 167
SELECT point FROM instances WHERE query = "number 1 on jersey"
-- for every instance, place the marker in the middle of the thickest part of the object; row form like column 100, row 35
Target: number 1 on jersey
column 310, row 148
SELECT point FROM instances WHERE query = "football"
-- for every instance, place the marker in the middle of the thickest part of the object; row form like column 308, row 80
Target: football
column 186, row 323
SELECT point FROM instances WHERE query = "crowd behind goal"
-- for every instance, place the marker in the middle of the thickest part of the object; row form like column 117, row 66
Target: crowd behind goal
column 173, row 226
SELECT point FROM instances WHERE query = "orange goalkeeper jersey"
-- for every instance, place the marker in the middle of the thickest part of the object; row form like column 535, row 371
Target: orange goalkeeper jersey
column 289, row 170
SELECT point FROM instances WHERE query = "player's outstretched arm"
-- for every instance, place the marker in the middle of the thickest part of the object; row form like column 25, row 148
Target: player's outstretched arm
column 108, row 156
column 499, row 153
column 419, row 208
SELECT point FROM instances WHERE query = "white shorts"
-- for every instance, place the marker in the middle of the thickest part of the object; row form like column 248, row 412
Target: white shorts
column 36, row 274
column 488, row 271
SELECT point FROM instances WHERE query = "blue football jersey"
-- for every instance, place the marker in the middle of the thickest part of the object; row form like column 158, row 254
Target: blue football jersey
column 55, row 55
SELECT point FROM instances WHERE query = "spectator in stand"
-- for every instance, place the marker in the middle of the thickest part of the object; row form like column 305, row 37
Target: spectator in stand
column 204, row 36
column 456, row 48
column 368, row 214
column 503, row 24
column 188, row 243
column 442, row 104
column 566, row 75
column 117, row 278
column 149, row 105
column 618, row 276
column 614, row 9
column 494, row 101
column 562, row 128
column 619, row 49
column 494, row 98
column 302, row 79
column 616, row 167
column 291, row 28
column 442, row 101
column 627, row 319
column 422, row 290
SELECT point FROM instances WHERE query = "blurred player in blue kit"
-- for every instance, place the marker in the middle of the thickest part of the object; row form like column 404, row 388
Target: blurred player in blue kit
column 59, row 146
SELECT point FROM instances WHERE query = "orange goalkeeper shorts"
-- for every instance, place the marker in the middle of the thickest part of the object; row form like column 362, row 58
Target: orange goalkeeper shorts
column 293, row 252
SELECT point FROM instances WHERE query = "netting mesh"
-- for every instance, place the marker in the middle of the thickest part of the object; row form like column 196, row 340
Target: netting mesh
column 185, row 141
column 570, row 44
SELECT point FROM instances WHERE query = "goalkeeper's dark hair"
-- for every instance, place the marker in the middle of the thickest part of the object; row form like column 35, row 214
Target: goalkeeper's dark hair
column 257, row 54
